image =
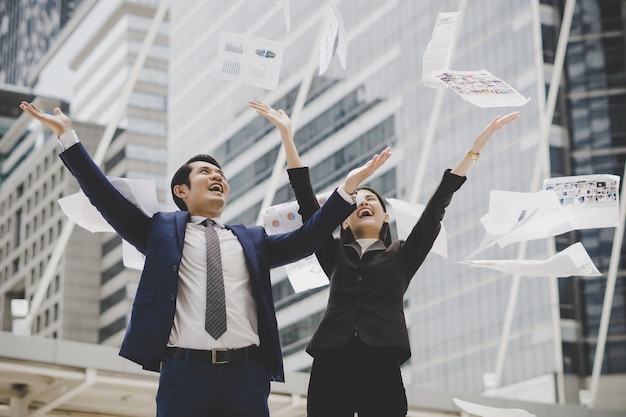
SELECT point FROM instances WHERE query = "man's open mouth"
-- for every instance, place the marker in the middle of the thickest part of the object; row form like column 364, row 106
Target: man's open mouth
column 217, row 187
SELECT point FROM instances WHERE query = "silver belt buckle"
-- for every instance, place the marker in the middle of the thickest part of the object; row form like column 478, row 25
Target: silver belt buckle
column 214, row 360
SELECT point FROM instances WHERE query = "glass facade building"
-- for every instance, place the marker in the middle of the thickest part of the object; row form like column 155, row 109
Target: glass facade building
column 594, row 105
column 28, row 28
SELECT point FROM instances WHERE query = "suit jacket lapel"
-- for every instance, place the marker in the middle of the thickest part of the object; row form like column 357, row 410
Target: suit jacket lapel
column 248, row 251
column 182, row 218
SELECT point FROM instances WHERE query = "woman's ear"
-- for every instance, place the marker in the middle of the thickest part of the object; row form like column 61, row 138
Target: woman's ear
column 386, row 218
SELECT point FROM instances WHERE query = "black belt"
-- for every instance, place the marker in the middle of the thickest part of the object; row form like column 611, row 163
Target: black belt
column 215, row 356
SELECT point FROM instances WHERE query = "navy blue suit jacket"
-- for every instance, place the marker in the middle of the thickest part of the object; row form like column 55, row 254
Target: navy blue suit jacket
column 161, row 239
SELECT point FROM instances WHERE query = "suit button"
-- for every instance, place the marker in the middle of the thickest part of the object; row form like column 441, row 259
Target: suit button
column 174, row 268
column 359, row 278
column 172, row 297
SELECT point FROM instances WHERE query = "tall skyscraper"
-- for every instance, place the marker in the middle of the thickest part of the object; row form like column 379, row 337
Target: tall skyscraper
column 91, row 293
column 27, row 30
column 591, row 112
column 455, row 314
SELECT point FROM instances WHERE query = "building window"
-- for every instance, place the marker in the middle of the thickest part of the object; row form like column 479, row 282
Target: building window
column 112, row 299
column 296, row 335
column 111, row 329
column 111, row 272
column 281, row 290
column 17, row 232
column 115, row 159
column 111, row 244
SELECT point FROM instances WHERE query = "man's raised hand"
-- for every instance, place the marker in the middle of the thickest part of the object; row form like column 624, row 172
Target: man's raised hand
column 58, row 122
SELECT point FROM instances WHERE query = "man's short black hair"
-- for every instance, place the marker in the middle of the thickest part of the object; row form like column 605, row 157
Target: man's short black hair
column 181, row 177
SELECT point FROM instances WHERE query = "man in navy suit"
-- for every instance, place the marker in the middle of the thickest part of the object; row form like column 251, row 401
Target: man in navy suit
column 202, row 375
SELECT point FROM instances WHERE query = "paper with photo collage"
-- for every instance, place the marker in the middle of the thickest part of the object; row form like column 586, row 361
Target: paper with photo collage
column 480, row 88
column 566, row 204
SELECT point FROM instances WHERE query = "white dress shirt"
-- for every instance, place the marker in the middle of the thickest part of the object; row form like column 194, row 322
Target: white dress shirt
column 241, row 310
column 241, row 313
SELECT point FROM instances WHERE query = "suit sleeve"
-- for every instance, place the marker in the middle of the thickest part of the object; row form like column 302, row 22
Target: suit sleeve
column 129, row 221
column 421, row 239
column 300, row 181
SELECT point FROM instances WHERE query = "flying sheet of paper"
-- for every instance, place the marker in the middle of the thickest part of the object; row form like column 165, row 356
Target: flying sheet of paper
column 590, row 201
column 407, row 215
column 573, row 260
column 439, row 50
column 131, row 257
column 142, row 193
column 516, row 216
column 484, row 411
column 78, row 208
column 305, row 273
column 334, row 40
column 481, row 88
column 249, row 60
column 567, row 203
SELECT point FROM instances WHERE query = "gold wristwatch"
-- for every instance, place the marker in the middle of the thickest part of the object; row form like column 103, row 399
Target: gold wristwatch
column 473, row 155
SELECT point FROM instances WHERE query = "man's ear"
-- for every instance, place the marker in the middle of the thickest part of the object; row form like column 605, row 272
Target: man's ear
column 180, row 190
column 344, row 225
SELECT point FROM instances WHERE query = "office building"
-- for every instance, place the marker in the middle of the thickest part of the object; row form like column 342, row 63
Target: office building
column 455, row 314
column 593, row 100
column 27, row 30
column 33, row 179
column 87, row 70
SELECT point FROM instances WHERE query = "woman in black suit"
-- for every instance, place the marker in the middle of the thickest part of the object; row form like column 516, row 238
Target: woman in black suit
column 362, row 340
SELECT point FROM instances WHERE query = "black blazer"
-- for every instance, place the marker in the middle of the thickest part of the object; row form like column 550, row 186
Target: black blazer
column 161, row 239
column 367, row 292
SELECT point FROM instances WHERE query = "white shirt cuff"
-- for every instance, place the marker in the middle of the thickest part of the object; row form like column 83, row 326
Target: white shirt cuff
column 344, row 194
column 68, row 138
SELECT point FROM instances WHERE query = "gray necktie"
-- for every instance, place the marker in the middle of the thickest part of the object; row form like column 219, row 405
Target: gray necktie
column 215, row 319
